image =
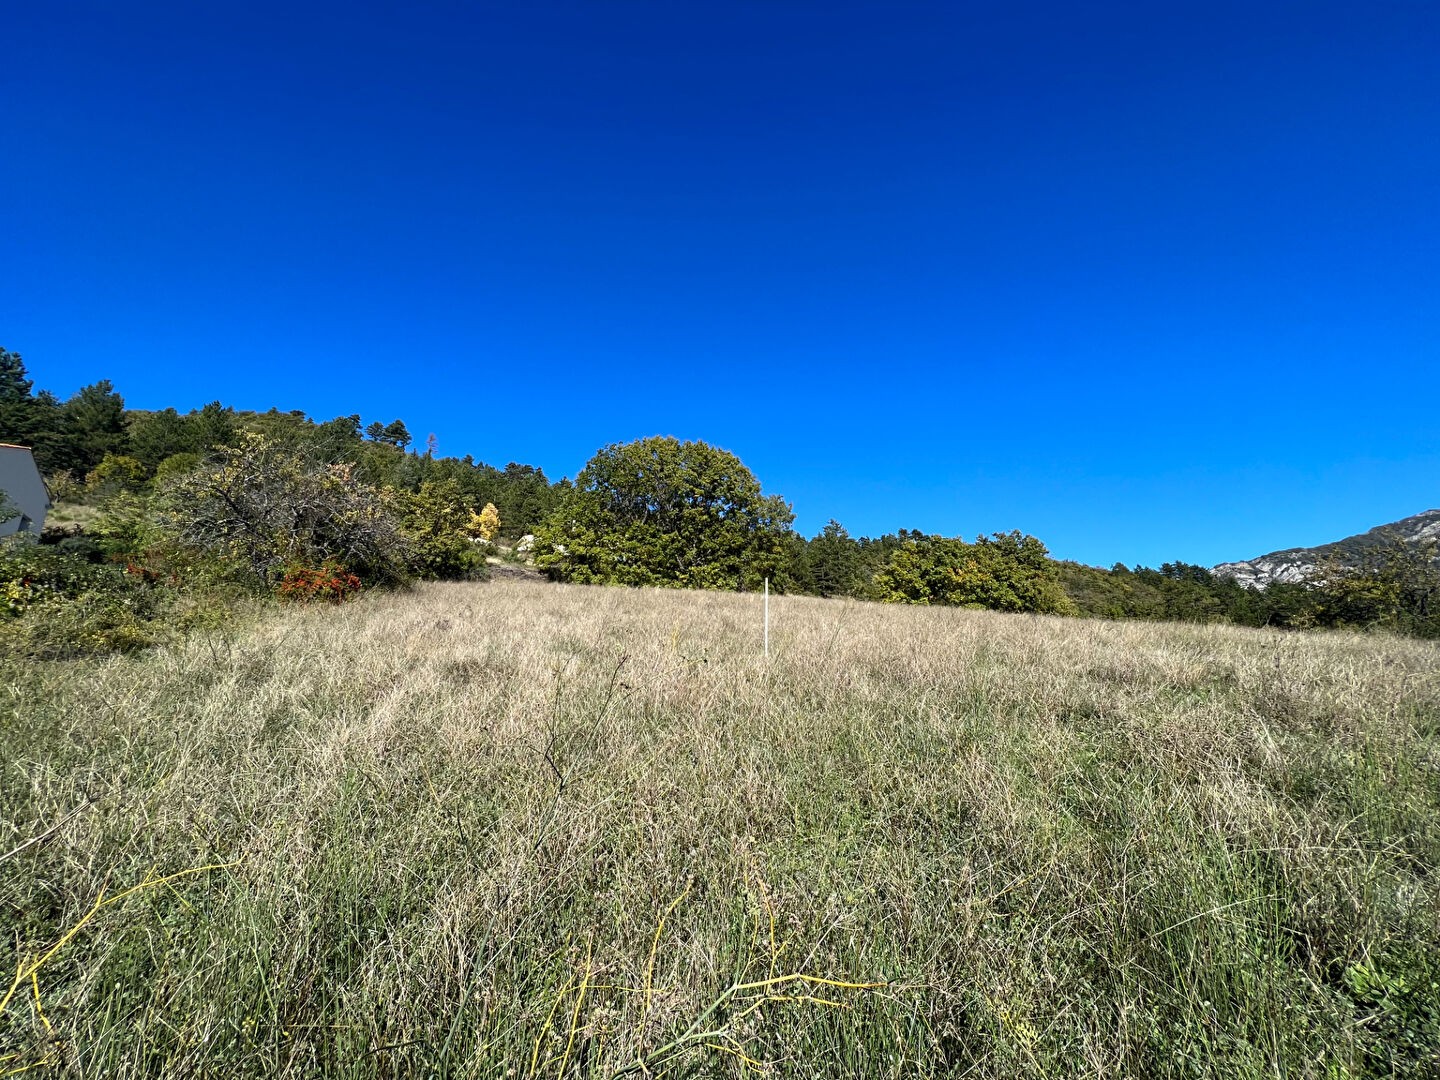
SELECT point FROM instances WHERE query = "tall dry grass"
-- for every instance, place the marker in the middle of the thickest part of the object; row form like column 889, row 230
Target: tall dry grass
column 524, row 830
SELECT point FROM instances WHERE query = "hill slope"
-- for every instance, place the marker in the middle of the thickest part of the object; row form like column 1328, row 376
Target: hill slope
column 1295, row 564
column 483, row 830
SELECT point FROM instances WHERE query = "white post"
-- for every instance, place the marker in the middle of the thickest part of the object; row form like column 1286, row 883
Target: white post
column 767, row 618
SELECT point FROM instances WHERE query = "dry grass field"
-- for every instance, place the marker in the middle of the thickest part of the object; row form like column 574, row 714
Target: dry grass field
column 517, row 830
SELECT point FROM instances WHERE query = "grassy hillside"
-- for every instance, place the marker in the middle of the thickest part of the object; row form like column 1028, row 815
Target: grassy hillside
column 523, row 830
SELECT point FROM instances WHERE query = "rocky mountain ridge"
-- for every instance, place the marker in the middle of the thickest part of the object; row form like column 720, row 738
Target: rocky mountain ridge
column 1295, row 564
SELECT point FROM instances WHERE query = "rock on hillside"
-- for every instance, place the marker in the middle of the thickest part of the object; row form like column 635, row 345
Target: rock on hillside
column 1294, row 564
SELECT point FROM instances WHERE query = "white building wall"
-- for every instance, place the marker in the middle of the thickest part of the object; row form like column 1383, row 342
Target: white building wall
column 20, row 481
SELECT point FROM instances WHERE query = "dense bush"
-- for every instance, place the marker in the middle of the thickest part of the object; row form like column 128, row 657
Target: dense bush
column 1396, row 587
column 436, row 522
column 32, row 574
column 330, row 582
column 60, row 604
column 117, row 472
column 262, row 507
column 1004, row 572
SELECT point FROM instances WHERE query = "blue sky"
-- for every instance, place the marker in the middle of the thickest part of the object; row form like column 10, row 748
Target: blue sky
column 1150, row 281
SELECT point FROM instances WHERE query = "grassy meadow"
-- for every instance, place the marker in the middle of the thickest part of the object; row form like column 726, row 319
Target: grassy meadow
column 512, row 830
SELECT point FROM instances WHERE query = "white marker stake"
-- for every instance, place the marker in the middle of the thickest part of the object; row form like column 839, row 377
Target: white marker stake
column 767, row 618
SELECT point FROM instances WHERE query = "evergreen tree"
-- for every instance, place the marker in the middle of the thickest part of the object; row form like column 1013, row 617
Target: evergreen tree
column 47, row 433
column 15, row 386
column 392, row 434
column 397, row 435
column 159, row 435
column 18, row 411
column 215, row 426
column 94, row 425
column 338, row 439
column 833, row 563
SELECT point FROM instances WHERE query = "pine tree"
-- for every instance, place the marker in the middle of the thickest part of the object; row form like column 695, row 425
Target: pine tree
column 397, row 435
column 18, row 411
column 94, row 423
column 14, row 386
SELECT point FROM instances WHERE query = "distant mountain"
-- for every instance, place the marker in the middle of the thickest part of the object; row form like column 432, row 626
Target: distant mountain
column 1294, row 564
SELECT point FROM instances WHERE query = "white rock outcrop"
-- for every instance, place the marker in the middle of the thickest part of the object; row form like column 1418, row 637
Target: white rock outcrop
column 1296, row 564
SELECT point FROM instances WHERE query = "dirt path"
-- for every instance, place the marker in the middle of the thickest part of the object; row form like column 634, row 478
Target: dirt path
column 515, row 572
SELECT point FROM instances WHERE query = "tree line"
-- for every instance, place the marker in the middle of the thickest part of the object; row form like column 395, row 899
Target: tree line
column 92, row 444
column 279, row 503
column 661, row 512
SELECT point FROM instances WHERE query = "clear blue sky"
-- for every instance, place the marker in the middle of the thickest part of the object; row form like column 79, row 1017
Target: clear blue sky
column 1150, row 281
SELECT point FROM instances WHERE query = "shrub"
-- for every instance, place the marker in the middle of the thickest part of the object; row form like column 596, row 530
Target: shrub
column 1393, row 587
column 436, row 520
column 177, row 465
column 115, row 473
column 486, row 524
column 262, row 508
column 59, row 605
column 125, row 527
column 86, row 625
column 64, row 487
column 330, row 582
column 32, row 574
column 1005, row 572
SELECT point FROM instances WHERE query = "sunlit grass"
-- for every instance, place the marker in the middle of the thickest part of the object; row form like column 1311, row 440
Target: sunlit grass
column 514, row 829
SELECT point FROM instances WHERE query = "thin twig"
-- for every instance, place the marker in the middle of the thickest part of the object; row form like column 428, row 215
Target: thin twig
column 89, row 802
